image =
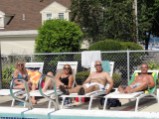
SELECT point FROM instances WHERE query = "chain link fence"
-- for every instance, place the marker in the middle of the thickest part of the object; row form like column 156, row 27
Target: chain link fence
column 125, row 63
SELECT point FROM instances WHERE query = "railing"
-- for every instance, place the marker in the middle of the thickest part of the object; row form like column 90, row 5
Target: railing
column 28, row 103
column 53, row 98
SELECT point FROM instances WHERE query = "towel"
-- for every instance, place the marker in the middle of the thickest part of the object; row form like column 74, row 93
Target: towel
column 90, row 56
column 106, row 66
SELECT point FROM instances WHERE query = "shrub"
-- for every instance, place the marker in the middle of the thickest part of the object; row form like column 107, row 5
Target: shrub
column 58, row 36
column 110, row 44
column 81, row 77
column 116, row 79
column 7, row 73
column 106, row 45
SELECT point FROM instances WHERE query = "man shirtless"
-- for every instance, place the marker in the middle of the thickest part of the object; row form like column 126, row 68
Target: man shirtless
column 96, row 81
column 141, row 82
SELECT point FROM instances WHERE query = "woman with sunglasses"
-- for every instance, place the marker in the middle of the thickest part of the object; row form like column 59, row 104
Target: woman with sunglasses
column 65, row 79
column 19, row 74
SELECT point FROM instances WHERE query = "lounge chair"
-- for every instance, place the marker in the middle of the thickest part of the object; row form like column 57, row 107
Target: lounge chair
column 50, row 93
column 92, row 95
column 28, row 65
column 150, row 93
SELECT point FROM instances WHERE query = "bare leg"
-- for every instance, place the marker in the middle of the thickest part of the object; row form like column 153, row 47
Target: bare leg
column 91, row 88
column 74, row 90
column 33, row 100
column 121, row 89
column 48, row 82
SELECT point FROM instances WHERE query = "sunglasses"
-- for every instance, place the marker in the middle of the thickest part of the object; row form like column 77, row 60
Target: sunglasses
column 98, row 65
column 66, row 68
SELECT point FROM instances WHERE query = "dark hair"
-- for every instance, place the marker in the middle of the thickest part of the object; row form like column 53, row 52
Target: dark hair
column 70, row 69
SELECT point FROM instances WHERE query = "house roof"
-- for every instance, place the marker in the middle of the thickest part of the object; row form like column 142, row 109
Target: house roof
column 26, row 13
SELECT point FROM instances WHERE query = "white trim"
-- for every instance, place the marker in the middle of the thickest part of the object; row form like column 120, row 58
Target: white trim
column 23, row 33
column 43, row 10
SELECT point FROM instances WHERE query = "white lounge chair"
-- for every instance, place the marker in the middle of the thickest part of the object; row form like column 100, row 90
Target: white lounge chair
column 50, row 93
column 92, row 95
column 28, row 65
column 136, row 95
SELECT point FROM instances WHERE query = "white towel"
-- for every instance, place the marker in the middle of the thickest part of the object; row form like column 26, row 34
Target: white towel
column 90, row 56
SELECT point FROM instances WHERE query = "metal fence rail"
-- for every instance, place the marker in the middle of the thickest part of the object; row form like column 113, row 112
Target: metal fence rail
column 125, row 62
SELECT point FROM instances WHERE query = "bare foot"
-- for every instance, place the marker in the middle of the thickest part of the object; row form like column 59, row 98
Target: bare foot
column 120, row 89
column 34, row 101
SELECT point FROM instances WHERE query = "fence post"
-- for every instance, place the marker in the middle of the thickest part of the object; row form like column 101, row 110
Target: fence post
column 0, row 67
column 128, row 65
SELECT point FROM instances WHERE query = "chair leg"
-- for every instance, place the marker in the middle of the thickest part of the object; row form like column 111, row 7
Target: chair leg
column 90, row 103
column 13, row 102
column 137, row 103
column 26, row 98
column 63, row 101
column 105, row 103
column 50, row 102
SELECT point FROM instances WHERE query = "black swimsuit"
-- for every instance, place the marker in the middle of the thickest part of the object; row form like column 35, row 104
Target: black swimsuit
column 64, row 80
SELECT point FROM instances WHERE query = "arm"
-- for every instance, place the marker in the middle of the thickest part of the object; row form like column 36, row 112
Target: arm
column 110, row 81
column 88, row 79
column 151, row 82
column 70, row 81
column 57, row 79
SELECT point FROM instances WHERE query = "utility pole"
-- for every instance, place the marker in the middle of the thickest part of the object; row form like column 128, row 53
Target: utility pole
column 136, row 20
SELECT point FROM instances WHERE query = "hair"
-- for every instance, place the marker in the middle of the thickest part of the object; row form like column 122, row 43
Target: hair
column 145, row 64
column 70, row 69
column 18, row 63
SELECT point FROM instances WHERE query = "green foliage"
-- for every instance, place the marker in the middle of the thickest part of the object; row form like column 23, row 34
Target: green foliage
column 81, row 77
column 131, row 46
column 58, row 36
column 104, row 18
column 117, row 79
column 7, row 72
column 108, row 45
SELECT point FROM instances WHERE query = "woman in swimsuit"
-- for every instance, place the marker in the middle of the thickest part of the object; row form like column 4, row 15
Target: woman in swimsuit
column 19, row 74
column 64, row 79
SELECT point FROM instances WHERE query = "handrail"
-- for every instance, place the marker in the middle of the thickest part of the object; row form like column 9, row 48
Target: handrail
column 30, row 106
column 56, row 102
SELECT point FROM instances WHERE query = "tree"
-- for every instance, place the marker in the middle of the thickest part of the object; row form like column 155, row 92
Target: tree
column 104, row 18
column 58, row 36
column 148, row 14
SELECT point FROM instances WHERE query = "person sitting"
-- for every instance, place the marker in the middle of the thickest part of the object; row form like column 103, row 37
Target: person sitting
column 19, row 74
column 65, row 78
column 96, row 81
column 141, row 82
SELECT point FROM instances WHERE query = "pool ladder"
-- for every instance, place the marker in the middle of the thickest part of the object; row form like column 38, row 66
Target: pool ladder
column 21, row 92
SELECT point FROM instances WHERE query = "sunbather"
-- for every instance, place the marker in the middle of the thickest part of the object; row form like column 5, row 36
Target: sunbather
column 65, row 79
column 20, row 73
column 141, row 82
column 96, row 81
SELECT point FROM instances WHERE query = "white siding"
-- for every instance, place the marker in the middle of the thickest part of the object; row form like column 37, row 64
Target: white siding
column 1, row 20
column 55, row 9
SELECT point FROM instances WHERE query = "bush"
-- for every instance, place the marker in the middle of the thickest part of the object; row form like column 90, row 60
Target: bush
column 109, row 44
column 116, row 79
column 7, row 73
column 81, row 77
column 106, row 45
column 58, row 36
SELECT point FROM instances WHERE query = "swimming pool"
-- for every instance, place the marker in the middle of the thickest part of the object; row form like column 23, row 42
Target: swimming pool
column 42, row 113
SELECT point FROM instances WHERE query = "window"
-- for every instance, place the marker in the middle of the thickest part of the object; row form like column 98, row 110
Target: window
column 48, row 16
column 61, row 15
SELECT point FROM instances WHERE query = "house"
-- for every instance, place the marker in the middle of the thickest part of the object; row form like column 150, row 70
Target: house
column 20, row 19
